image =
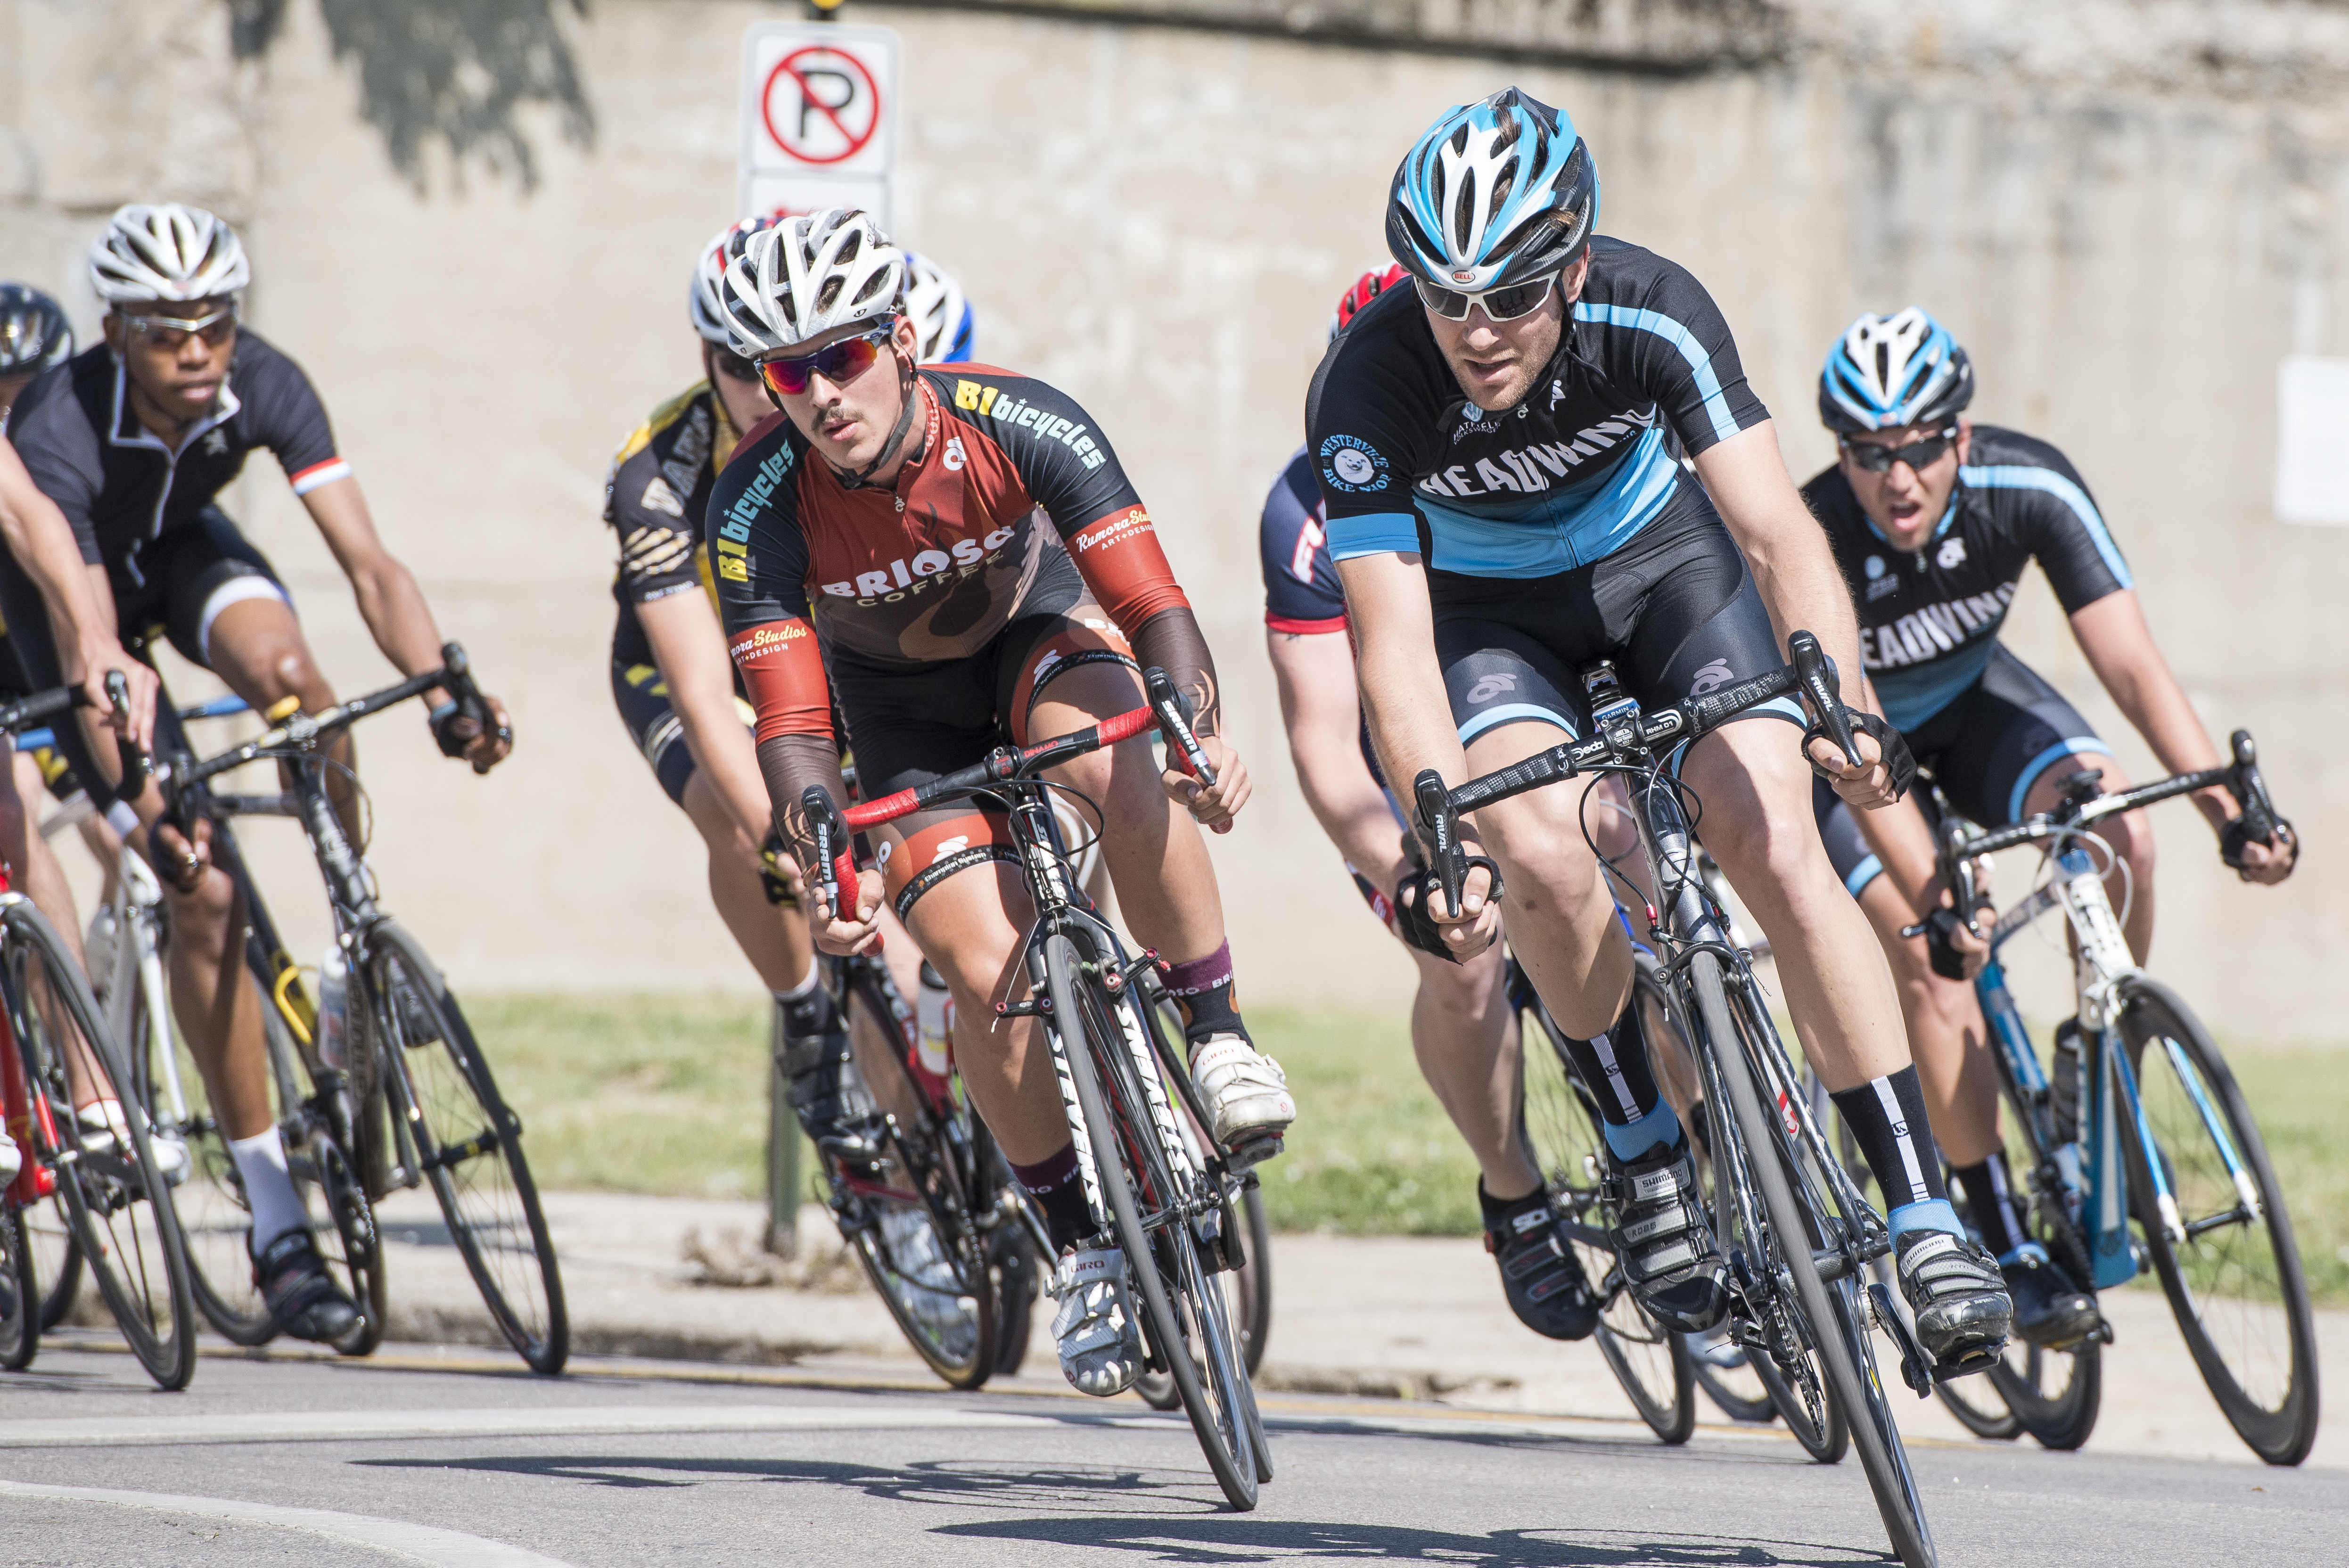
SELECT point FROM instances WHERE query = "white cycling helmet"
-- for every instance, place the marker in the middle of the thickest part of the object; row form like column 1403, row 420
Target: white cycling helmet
column 705, row 303
column 803, row 277
column 166, row 251
column 1889, row 372
column 942, row 317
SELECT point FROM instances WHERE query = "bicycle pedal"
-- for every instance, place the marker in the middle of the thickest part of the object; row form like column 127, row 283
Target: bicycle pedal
column 1254, row 1152
column 1916, row 1370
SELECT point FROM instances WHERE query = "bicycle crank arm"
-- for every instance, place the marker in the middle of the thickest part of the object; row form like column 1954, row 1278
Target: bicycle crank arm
column 1915, row 1369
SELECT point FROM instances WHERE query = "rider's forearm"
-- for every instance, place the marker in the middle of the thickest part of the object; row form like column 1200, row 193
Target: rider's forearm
column 1409, row 717
column 1352, row 810
column 1783, row 544
column 689, row 651
column 42, row 541
column 397, row 616
column 792, row 764
column 2119, row 646
column 1323, row 716
column 1171, row 640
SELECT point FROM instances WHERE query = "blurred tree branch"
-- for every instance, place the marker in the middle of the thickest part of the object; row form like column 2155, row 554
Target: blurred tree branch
column 454, row 71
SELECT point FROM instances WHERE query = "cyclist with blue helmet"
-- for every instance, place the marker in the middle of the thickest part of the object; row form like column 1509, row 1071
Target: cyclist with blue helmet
column 1934, row 519
column 1545, row 454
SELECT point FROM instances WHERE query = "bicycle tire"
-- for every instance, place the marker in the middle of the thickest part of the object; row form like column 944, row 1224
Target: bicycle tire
column 20, row 1295
column 446, row 1109
column 1255, row 1278
column 48, row 1233
column 2219, row 1292
column 119, row 1207
column 1223, row 1422
column 1838, row 1330
column 1562, row 1131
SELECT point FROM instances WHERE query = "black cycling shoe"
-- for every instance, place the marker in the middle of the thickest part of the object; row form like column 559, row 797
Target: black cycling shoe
column 1958, row 1297
column 2049, row 1309
column 1670, row 1258
column 833, row 1108
column 1540, row 1274
column 301, row 1295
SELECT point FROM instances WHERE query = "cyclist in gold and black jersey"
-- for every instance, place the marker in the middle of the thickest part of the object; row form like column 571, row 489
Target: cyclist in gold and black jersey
column 677, row 690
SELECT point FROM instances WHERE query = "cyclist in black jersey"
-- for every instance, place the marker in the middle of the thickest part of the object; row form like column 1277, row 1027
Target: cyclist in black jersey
column 1522, row 459
column 1933, row 520
column 133, row 440
column 677, row 693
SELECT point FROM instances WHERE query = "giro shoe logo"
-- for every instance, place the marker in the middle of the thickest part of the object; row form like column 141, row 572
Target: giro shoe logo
column 1709, row 677
column 1491, row 686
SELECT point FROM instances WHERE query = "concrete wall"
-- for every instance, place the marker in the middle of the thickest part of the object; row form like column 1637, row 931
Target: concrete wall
column 1158, row 219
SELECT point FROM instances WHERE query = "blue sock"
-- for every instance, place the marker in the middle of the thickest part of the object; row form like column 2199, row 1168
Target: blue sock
column 1933, row 1214
column 1658, row 1126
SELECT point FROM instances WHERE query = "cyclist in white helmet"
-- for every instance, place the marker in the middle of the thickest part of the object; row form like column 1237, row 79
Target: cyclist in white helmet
column 133, row 440
column 34, row 336
column 1544, row 454
column 1934, row 519
column 958, row 555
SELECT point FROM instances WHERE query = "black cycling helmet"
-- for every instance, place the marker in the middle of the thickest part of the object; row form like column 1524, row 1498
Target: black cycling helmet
column 33, row 333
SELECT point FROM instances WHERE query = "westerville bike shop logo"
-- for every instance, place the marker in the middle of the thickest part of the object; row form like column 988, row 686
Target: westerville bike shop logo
column 1351, row 464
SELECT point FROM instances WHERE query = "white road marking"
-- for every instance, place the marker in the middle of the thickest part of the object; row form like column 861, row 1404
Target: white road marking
column 419, row 1542
column 344, row 1425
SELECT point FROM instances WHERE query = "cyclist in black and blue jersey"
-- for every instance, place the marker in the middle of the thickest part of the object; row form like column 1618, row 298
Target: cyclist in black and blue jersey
column 1547, row 454
column 1934, row 519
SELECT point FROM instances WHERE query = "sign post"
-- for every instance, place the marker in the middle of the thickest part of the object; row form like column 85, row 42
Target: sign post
column 821, row 109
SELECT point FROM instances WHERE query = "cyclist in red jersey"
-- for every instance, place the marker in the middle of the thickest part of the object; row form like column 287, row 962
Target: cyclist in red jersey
column 958, row 548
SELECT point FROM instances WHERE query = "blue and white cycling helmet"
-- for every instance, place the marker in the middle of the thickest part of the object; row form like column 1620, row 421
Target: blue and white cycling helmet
column 1492, row 193
column 1889, row 372
column 941, row 315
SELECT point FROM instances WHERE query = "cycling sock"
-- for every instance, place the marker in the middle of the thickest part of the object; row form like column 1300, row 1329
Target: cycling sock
column 808, row 1010
column 1632, row 1108
column 269, row 1193
column 1992, row 1199
column 1887, row 1118
column 1202, row 987
column 1054, row 1184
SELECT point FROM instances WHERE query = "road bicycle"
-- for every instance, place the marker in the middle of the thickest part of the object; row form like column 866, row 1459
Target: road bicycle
column 2141, row 1153
column 407, row 1099
column 936, row 1221
column 1172, row 1213
column 1796, row 1232
column 117, row 1202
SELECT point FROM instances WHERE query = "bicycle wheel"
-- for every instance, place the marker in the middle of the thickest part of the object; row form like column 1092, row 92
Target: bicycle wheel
column 1186, row 1315
column 2223, row 1246
column 1747, row 1045
column 56, row 1256
column 454, row 1129
column 20, row 1295
column 1562, row 1133
column 1255, row 1277
column 116, row 1199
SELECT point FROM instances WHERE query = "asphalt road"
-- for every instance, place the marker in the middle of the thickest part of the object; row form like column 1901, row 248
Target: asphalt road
column 456, row 1458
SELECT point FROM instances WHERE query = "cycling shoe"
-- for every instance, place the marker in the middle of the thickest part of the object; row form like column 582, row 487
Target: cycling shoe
column 1959, row 1299
column 833, row 1107
column 11, row 1159
column 1670, row 1258
column 2049, row 1309
column 1248, row 1098
column 104, row 1130
column 302, row 1296
column 1541, row 1272
column 1099, row 1336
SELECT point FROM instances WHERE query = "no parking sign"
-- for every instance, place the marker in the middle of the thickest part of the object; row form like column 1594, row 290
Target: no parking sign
column 820, row 116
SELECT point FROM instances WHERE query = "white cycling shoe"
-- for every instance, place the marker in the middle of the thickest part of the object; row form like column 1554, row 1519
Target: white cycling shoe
column 105, row 1132
column 11, row 1159
column 1248, row 1098
column 1099, row 1336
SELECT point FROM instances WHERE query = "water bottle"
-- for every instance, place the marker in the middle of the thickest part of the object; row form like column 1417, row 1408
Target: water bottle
column 333, row 1010
column 933, row 1015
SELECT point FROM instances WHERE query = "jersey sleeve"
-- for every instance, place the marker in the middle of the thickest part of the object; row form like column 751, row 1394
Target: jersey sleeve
column 657, row 536
column 1365, row 446
column 1301, row 584
column 2066, row 532
column 283, row 413
column 1663, row 335
column 760, row 557
column 1069, row 469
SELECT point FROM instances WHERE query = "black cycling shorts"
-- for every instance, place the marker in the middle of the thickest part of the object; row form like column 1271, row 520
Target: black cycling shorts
column 642, row 697
column 1675, row 609
column 1986, row 749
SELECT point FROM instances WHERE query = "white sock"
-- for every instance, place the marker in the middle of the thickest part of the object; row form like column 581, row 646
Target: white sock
column 268, row 1190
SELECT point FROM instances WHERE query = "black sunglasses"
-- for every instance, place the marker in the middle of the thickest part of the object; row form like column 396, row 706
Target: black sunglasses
column 729, row 364
column 1877, row 459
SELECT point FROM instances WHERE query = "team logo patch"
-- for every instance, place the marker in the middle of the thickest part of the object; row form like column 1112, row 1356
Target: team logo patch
column 1953, row 551
column 1350, row 463
column 1491, row 686
column 955, row 457
column 1710, row 678
column 1874, row 567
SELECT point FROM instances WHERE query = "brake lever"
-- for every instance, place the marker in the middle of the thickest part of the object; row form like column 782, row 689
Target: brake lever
column 825, row 827
column 1435, row 815
column 1820, row 683
column 2250, row 789
column 1174, row 710
column 137, row 765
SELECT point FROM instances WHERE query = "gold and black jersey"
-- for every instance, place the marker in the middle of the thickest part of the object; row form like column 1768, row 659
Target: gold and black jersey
column 654, row 501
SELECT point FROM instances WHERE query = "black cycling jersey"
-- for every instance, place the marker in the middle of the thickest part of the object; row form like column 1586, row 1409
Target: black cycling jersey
column 1646, row 373
column 654, row 501
column 1929, row 618
column 120, row 486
